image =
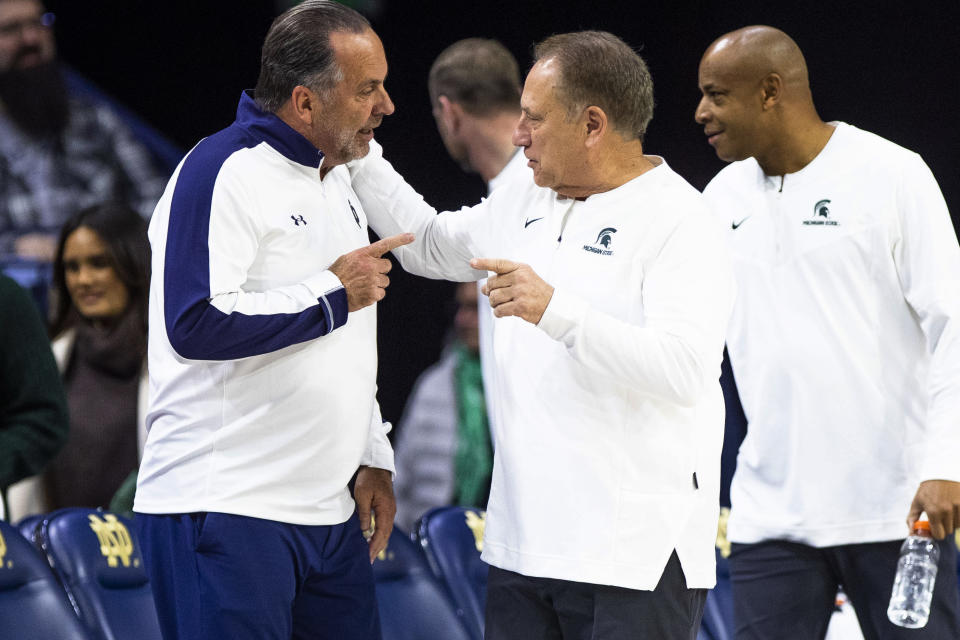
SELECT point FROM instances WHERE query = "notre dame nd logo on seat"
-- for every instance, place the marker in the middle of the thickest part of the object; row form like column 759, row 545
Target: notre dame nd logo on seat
column 3, row 554
column 477, row 523
column 115, row 541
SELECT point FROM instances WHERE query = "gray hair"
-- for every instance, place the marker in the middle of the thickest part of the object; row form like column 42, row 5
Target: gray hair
column 481, row 75
column 599, row 69
column 297, row 51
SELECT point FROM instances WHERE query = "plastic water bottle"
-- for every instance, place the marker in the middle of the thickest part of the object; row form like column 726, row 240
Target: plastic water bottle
column 916, row 574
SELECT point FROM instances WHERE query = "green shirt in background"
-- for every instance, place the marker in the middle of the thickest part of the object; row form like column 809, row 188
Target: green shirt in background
column 33, row 407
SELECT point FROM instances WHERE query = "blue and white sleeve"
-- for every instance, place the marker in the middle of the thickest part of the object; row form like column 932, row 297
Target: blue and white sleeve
column 211, row 241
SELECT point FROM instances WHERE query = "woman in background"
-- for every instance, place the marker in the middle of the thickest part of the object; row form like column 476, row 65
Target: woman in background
column 101, row 282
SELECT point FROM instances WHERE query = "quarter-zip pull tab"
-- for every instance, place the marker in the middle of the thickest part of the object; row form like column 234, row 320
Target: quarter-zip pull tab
column 782, row 178
column 356, row 218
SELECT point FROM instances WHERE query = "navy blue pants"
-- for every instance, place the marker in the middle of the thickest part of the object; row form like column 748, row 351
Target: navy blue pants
column 520, row 607
column 217, row 575
column 787, row 590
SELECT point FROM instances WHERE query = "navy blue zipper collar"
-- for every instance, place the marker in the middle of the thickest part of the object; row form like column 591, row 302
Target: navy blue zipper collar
column 275, row 132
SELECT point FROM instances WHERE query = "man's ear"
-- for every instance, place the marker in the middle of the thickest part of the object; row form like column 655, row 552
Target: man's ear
column 450, row 114
column 771, row 88
column 303, row 102
column 595, row 123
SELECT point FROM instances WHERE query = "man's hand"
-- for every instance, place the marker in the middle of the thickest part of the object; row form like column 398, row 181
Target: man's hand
column 373, row 491
column 363, row 272
column 516, row 290
column 941, row 500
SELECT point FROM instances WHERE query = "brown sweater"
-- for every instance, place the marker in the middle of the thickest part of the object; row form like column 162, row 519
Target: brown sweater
column 102, row 380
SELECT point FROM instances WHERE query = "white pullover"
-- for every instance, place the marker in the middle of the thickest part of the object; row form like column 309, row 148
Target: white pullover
column 262, row 386
column 609, row 413
column 844, row 341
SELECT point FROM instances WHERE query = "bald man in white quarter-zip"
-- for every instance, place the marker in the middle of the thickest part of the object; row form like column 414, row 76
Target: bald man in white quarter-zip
column 845, row 346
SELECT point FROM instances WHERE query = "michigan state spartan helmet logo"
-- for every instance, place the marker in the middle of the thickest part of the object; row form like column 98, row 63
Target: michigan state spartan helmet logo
column 601, row 245
column 822, row 216
column 605, row 237
column 820, row 209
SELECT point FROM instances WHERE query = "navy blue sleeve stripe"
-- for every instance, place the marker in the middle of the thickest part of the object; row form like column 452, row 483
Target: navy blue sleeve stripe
column 196, row 329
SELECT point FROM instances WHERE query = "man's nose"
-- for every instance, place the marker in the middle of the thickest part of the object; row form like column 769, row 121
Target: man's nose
column 30, row 35
column 702, row 114
column 520, row 137
column 386, row 104
column 34, row 32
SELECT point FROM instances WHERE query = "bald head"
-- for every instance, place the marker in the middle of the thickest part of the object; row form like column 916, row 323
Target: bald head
column 756, row 100
column 752, row 53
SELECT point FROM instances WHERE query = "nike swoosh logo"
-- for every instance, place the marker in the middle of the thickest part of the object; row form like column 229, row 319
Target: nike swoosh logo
column 530, row 222
column 735, row 225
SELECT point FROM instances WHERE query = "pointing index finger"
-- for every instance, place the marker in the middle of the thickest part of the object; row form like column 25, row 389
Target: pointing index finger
column 497, row 265
column 380, row 247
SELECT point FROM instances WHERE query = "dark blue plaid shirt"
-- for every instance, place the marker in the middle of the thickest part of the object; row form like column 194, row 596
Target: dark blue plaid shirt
column 41, row 186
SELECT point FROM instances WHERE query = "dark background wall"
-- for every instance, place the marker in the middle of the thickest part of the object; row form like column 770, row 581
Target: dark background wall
column 889, row 67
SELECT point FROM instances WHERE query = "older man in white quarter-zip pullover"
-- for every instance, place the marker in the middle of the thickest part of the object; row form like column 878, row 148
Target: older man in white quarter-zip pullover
column 611, row 290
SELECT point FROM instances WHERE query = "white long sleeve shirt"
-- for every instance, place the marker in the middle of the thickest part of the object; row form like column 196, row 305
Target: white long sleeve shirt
column 515, row 170
column 844, row 341
column 609, row 412
column 262, row 386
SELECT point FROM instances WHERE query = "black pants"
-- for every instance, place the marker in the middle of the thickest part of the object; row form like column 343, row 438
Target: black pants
column 787, row 590
column 522, row 608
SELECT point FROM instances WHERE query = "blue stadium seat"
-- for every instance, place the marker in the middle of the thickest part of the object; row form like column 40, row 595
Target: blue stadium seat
column 413, row 605
column 28, row 527
column 33, row 275
column 98, row 561
column 452, row 538
column 33, row 606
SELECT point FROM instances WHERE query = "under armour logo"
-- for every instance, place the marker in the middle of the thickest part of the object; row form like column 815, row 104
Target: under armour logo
column 297, row 220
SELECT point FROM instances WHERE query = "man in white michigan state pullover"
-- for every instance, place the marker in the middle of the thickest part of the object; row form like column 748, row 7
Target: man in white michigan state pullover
column 845, row 347
column 611, row 292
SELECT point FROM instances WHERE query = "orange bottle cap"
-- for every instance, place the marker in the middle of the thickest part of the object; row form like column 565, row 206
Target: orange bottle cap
column 922, row 524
